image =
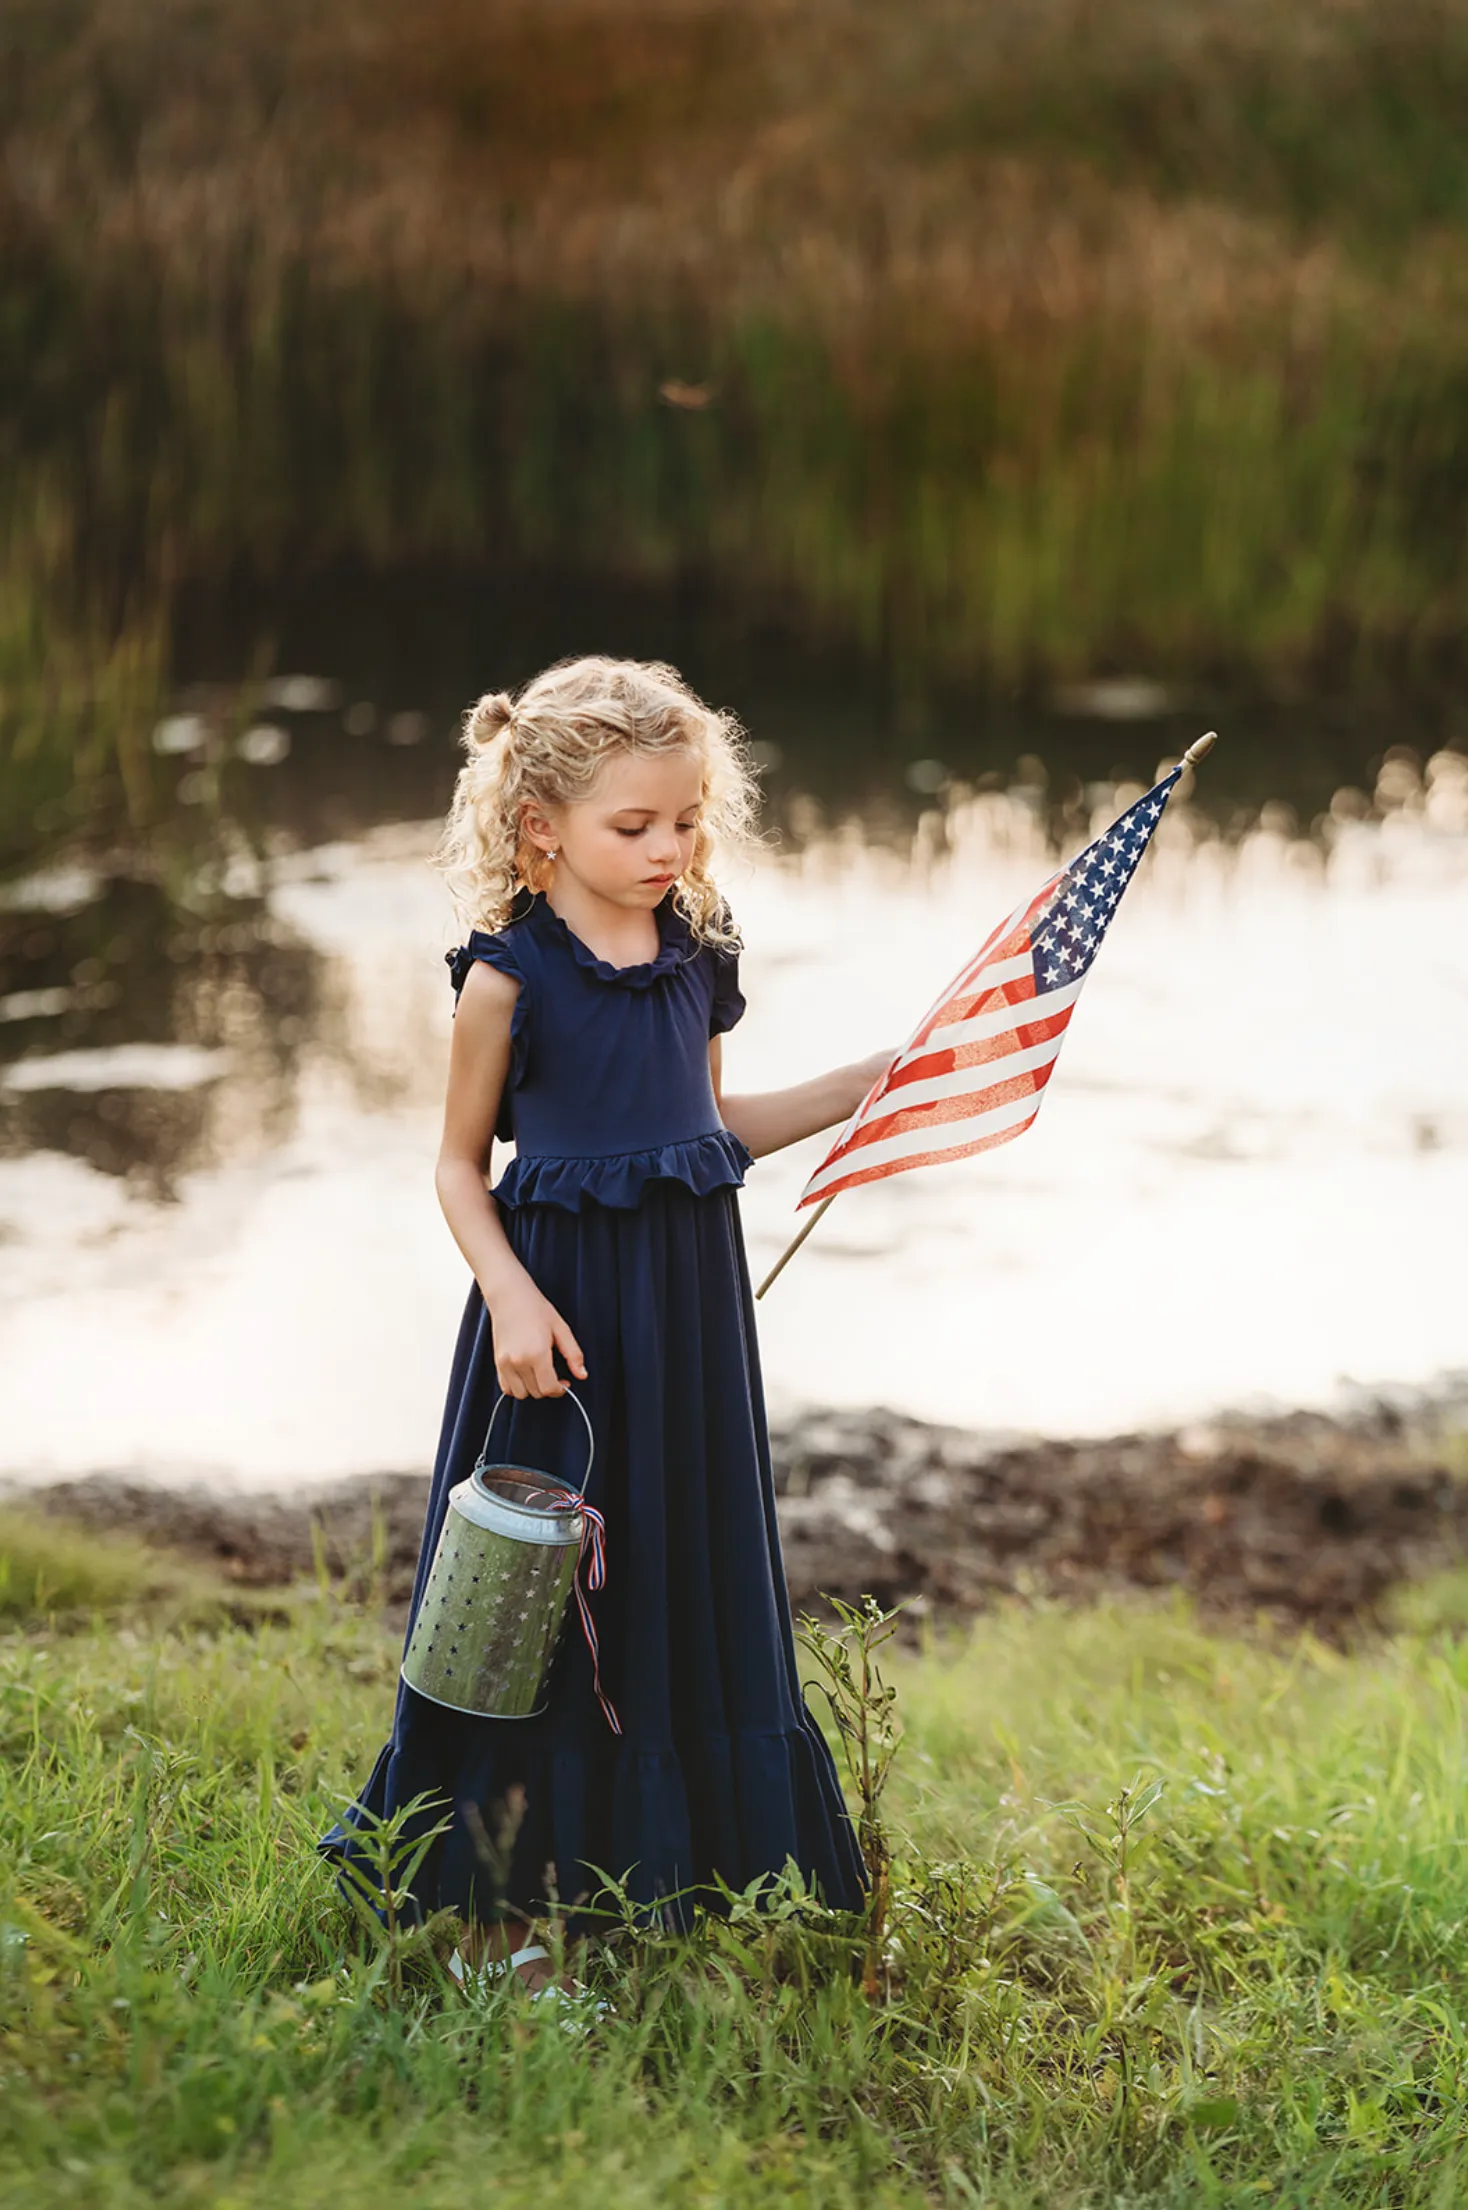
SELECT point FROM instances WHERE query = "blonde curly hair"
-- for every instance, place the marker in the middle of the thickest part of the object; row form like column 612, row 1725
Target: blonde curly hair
column 545, row 748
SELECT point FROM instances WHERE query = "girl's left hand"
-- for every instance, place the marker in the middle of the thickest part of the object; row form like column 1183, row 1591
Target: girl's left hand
column 866, row 1071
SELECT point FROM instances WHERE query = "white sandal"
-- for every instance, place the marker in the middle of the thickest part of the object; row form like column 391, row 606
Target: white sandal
column 477, row 1977
column 580, row 2004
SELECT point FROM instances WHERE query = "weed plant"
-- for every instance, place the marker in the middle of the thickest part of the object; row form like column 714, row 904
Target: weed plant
column 1175, row 1918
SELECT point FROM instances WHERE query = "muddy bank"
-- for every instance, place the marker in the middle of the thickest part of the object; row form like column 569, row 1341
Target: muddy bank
column 1302, row 1518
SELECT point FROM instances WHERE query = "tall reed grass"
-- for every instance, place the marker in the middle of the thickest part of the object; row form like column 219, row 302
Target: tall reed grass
column 1018, row 341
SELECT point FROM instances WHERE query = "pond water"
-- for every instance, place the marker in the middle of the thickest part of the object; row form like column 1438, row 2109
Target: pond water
column 221, row 1066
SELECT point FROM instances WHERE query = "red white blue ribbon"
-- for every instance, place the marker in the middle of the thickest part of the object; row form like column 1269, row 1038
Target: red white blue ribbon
column 591, row 1574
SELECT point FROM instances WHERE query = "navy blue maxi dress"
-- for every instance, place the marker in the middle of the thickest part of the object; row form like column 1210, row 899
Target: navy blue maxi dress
column 621, row 1203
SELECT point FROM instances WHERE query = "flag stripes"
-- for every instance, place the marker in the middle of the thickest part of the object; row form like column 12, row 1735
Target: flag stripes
column 974, row 1071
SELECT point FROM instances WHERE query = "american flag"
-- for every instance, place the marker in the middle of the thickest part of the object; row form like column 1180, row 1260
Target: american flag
column 974, row 1070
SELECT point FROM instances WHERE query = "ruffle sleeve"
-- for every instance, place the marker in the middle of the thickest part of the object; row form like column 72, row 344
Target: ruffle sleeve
column 498, row 951
column 728, row 1000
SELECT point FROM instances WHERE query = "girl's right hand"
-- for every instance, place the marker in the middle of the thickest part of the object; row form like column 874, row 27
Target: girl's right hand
column 528, row 1331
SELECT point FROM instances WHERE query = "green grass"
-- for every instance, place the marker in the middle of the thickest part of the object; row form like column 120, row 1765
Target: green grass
column 49, row 1573
column 55, row 1575
column 1246, row 1988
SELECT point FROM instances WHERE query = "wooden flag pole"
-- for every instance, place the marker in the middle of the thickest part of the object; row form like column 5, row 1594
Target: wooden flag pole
column 1190, row 758
column 791, row 1248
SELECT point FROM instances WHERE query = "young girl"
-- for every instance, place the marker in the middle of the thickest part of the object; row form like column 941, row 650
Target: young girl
column 591, row 1005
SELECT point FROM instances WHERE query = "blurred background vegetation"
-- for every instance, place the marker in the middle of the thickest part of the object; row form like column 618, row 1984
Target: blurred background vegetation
column 1019, row 342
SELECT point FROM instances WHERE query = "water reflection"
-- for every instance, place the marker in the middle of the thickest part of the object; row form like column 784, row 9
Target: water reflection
column 154, row 1023
column 144, row 1035
column 1248, row 1171
column 394, row 658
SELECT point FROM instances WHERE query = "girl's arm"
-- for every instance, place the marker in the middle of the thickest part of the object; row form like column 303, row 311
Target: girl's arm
column 773, row 1118
column 527, row 1329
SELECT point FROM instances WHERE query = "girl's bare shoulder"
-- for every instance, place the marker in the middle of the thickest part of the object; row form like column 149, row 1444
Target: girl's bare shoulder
column 487, row 993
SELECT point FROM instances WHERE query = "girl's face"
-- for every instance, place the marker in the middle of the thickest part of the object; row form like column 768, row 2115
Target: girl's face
column 632, row 835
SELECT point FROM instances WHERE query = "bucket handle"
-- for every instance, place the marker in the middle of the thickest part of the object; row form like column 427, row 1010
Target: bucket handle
column 585, row 1420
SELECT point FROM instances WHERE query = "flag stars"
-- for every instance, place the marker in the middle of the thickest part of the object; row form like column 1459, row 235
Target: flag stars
column 1087, row 893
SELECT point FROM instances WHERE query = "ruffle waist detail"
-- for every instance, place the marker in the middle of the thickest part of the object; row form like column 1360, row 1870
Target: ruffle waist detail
column 704, row 1163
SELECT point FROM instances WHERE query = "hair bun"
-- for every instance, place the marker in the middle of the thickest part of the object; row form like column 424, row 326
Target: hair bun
column 494, row 712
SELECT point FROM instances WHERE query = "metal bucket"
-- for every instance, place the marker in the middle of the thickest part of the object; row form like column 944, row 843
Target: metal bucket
column 498, row 1588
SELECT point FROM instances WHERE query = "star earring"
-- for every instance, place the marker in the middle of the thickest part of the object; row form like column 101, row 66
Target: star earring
column 550, row 854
